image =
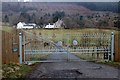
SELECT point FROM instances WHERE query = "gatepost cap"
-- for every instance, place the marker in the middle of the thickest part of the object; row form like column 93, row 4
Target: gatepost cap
column 20, row 33
column 112, row 33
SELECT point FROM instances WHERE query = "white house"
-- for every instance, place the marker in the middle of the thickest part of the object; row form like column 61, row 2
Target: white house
column 22, row 25
column 57, row 24
column 50, row 26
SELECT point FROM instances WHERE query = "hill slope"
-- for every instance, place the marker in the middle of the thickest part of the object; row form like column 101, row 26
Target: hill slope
column 68, row 8
column 73, row 14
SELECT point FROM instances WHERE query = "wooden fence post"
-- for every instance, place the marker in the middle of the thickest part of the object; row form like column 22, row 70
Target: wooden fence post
column 117, row 47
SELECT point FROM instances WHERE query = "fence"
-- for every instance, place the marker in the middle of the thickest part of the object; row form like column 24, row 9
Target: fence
column 93, row 46
column 117, row 47
column 99, row 46
column 10, row 47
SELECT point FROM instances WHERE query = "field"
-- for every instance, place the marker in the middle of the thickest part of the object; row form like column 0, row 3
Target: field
column 67, row 35
column 36, row 57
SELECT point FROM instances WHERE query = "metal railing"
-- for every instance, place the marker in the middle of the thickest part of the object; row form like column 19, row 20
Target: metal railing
column 89, row 44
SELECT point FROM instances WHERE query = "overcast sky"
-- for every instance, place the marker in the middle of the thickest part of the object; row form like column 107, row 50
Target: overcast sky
column 61, row 0
column 74, row 0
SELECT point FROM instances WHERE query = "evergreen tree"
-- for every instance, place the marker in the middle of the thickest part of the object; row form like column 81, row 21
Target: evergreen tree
column 6, row 18
column 24, row 17
column 58, row 15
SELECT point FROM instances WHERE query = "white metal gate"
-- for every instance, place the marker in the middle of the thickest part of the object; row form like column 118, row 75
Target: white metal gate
column 88, row 46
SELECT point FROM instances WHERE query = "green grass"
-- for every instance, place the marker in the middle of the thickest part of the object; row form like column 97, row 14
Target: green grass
column 15, row 70
column 84, row 57
column 110, row 63
column 24, row 70
column 38, row 57
column 7, row 29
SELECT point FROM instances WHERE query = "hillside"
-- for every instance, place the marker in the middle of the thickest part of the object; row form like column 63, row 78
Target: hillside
column 101, row 6
column 68, row 8
column 73, row 14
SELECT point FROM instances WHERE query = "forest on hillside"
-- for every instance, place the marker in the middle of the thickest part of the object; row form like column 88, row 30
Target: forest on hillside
column 74, row 15
column 95, row 6
column 102, row 6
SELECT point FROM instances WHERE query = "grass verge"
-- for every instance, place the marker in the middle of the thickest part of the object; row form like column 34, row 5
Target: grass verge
column 113, row 64
column 15, row 70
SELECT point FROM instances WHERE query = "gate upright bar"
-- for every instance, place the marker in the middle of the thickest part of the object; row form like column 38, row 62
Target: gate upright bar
column 20, row 47
column 24, row 47
column 112, row 46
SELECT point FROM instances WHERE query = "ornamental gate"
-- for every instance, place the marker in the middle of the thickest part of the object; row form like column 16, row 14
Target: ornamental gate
column 68, row 47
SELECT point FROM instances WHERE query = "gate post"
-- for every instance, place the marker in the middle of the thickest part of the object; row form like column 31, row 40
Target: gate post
column 20, row 47
column 112, row 46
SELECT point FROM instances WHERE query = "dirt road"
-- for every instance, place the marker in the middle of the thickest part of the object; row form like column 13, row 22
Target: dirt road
column 74, row 69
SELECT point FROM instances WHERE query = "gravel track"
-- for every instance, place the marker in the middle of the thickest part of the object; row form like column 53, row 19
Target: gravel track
column 72, row 69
